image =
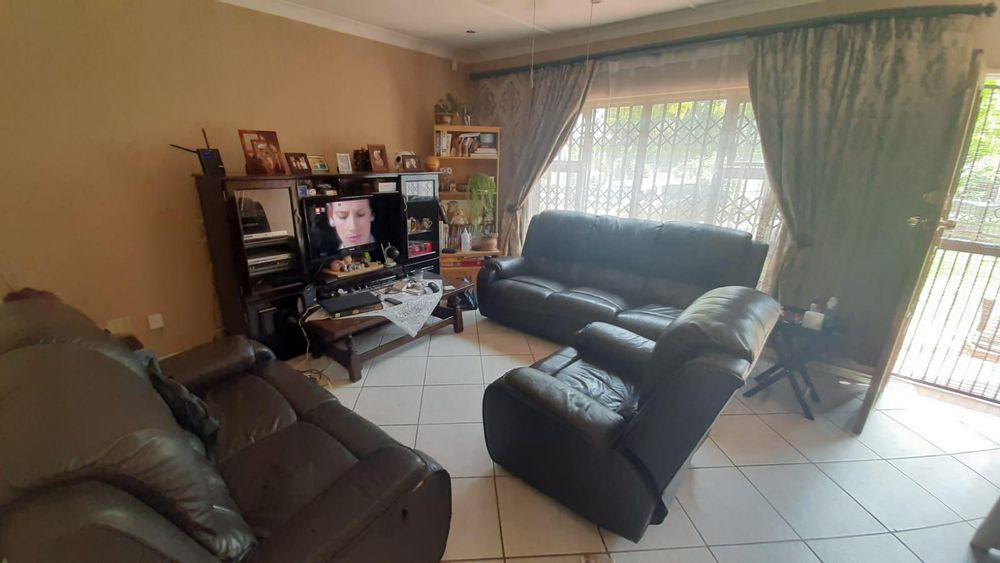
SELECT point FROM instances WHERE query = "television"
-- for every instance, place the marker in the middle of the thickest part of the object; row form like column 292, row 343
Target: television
column 344, row 226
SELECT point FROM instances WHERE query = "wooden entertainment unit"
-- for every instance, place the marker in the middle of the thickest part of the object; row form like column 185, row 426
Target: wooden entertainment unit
column 259, row 248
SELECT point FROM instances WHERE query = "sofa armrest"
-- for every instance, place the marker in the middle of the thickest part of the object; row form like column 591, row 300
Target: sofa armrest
column 671, row 423
column 208, row 363
column 555, row 399
column 615, row 349
column 507, row 266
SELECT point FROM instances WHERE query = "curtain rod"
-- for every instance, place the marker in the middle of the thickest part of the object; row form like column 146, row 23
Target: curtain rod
column 914, row 12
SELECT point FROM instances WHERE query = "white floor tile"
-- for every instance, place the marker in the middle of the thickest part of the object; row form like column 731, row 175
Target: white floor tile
column 943, row 544
column 489, row 326
column 459, row 448
column 453, row 370
column 727, row 509
column 748, row 441
column 886, row 437
column 347, row 396
column 583, row 558
column 819, row 440
column 503, row 344
column 960, row 488
column 445, row 404
column 475, row 526
column 451, row 344
column 776, row 399
column 943, row 431
column 890, row 496
column 784, row 552
column 709, row 455
column 367, row 340
column 881, row 548
column 396, row 371
column 686, row 555
column 542, row 347
column 985, row 463
column 405, row 434
column 534, row 524
column 810, row 502
column 389, row 405
column 496, row 366
column 736, row 406
column 416, row 348
column 675, row 531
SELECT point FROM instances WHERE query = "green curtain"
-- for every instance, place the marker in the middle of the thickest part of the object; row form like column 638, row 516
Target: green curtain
column 857, row 122
column 536, row 112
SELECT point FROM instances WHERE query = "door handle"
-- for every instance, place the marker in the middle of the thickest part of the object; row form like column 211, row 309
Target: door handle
column 916, row 221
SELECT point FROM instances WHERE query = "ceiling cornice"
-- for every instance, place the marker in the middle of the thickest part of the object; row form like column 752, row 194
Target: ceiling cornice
column 319, row 18
column 669, row 20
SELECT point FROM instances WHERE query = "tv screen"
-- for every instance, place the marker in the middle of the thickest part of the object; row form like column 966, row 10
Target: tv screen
column 339, row 227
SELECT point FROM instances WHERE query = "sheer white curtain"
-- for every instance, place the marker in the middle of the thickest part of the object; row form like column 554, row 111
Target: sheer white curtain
column 669, row 136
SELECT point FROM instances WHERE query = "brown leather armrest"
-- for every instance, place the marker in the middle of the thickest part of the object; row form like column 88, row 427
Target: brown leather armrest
column 615, row 349
column 208, row 363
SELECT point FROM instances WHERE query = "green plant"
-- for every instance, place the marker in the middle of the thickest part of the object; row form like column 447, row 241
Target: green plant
column 448, row 104
column 483, row 201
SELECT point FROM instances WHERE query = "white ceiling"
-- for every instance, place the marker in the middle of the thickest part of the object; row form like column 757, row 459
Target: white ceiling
column 503, row 27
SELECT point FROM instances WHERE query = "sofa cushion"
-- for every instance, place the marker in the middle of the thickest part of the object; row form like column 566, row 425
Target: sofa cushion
column 648, row 320
column 587, row 305
column 249, row 410
column 518, row 294
column 605, row 388
column 545, row 283
column 276, row 477
column 700, row 255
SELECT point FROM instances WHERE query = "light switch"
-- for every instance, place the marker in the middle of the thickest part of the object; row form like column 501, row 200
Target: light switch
column 155, row 321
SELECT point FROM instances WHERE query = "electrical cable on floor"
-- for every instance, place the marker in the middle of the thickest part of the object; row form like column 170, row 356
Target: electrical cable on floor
column 314, row 374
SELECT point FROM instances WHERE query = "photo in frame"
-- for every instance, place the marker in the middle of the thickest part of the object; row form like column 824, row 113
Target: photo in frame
column 317, row 164
column 298, row 163
column 379, row 159
column 344, row 163
column 410, row 162
column 262, row 152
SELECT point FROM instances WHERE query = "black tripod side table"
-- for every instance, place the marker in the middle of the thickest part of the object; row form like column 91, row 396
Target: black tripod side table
column 796, row 346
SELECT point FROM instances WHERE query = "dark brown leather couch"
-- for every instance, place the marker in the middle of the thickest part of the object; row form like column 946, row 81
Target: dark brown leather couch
column 96, row 468
column 578, row 268
column 607, row 427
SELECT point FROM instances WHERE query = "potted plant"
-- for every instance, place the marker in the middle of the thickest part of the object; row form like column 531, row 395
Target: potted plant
column 482, row 207
column 446, row 109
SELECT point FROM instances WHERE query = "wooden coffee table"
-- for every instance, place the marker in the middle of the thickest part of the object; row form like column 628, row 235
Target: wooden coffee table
column 335, row 337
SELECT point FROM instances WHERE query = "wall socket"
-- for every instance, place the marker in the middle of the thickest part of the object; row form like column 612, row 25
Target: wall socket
column 121, row 325
column 155, row 321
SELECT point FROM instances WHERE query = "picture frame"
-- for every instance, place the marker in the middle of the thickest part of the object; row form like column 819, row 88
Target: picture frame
column 410, row 162
column 344, row 163
column 298, row 163
column 378, row 157
column 262, row 152
column 317, row 164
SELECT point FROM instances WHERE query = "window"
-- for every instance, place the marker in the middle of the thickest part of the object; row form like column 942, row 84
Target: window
column 695, row 159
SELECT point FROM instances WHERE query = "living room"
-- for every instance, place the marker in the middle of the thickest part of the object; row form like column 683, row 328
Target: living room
column 559, row 280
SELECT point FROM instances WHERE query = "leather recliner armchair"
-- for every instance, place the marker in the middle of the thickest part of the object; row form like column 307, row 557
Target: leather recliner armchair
column 607, row 427
column 577, row 268
column 96, row 467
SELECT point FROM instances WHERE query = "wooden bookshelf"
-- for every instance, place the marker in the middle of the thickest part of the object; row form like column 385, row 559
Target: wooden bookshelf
column 462, row 167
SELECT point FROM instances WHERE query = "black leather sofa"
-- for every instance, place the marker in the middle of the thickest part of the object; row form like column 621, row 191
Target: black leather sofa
column 96, row 467
column 639, row 275
column 607, row 427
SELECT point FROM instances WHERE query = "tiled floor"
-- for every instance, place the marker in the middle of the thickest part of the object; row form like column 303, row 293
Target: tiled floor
column 767, row 486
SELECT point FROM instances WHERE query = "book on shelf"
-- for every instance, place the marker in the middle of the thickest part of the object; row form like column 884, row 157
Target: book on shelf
column 465, row 145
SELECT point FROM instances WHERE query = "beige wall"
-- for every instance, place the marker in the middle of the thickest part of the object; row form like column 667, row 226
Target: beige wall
column 988, row 31
column 96, row 207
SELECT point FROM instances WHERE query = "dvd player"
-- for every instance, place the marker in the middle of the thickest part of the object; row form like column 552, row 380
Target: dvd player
column 267, row 235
